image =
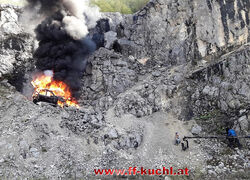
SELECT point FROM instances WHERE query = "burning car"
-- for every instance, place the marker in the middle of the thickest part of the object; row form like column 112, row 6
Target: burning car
column 46, row 89
column 46, row 95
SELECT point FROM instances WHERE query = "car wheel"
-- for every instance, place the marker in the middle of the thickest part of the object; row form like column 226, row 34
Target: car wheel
column 35, row 101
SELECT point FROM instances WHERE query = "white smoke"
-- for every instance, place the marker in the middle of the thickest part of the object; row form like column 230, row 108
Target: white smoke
column 75, row 7
column 92, row 15
column 82, row 17
column 30, row 18
column 79, row 14
column 48, row 73
column 75, row 28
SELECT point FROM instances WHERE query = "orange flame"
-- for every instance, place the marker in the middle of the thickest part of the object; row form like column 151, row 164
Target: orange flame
column 59, row 89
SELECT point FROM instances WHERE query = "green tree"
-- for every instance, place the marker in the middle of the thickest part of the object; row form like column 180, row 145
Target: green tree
column 123, row 6
column 104, row 5
column 136, row 5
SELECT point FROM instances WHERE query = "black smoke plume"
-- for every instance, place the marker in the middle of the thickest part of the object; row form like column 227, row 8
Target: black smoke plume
column 63, row 39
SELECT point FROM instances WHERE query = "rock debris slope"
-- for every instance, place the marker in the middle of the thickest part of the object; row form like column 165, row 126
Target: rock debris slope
column 173, row 66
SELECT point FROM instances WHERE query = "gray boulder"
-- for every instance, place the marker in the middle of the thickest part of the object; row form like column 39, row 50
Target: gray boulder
column 244, row 123
column 110, row 37
column 9, row 21
column 113, row 134
column 6, row 64
column 196, row 129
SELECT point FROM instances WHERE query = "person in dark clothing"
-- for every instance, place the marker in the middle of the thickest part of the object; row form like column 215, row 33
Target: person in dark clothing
column 184, row 148
column 232, row 138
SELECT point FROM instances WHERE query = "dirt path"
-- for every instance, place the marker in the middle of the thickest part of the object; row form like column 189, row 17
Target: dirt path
column 159, row 140
column 157, row 148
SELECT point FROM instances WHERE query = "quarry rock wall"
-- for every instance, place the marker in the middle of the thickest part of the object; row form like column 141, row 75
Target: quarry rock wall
column 175, row 32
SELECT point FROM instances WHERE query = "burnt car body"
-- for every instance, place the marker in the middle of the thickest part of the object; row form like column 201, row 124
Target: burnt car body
column 46, row 95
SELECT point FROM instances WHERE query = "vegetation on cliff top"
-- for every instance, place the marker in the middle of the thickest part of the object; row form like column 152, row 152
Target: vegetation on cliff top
column 123, row 6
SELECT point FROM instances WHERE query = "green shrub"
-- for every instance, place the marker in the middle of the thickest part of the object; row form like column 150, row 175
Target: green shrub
column 122, row 6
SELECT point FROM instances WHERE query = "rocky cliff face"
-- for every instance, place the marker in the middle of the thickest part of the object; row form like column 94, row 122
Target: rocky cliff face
column 16, row 47
column 163, row 34
column 175, row 32
column 171, row 61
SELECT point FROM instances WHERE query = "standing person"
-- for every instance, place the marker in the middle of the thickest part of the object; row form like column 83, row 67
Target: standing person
column 232, row 138
column 184, row 148
column 177, row 138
